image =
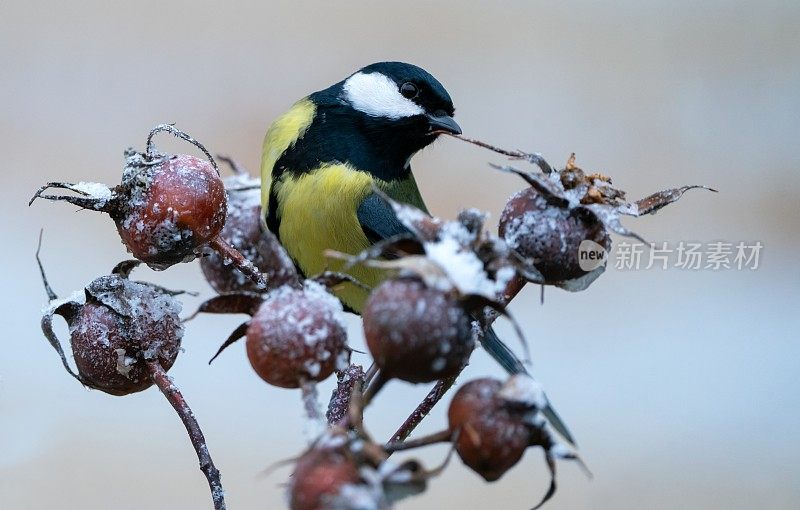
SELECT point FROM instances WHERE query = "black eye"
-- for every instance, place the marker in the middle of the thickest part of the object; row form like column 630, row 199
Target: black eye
column 409, row 90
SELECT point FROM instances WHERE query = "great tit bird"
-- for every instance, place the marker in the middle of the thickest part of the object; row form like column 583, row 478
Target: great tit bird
column 322, row 158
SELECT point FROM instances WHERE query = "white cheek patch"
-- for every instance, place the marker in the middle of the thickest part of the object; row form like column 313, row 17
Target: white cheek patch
column 377, row 95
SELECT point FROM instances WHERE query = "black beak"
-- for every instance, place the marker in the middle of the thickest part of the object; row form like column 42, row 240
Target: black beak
column 443, row 122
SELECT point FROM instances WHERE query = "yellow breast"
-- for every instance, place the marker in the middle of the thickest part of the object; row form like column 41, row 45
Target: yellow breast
column 318, row 212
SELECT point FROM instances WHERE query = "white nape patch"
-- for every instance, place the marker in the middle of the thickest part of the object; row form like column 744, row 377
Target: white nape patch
column 378, row 96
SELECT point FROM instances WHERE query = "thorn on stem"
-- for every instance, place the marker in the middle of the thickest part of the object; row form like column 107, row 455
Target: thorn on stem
column 50, row 294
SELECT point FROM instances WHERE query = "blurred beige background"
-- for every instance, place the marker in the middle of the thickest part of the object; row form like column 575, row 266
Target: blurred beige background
column 682, row 387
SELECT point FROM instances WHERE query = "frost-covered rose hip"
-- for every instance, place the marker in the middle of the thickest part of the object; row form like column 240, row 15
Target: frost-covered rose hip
column 492, row 437
column 167, row 207
column 547, row 222
column 416, row 333
column 172, row 209
column 122, row 326
column 550, row 235
column 243, row 230
column 347, row 470
column 496, row 422
column 116, row 328
column 297, row 335
column 125, row 336
column 321, row 474
column 491, row 424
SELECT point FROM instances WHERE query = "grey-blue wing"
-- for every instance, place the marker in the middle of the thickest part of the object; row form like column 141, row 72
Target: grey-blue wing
column 378, row 220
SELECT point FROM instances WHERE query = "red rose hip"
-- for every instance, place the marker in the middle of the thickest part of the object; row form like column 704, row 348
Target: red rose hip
column 173, row 208
column 416, row 333
column 550, row 235
column 167, row 207
column 492, row 437
column 297, row 336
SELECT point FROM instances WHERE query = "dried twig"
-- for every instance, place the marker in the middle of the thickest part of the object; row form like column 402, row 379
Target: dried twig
column 339, row 405
column 175, row 398
column 236, row 167
column 531, row 157
column 443, row 436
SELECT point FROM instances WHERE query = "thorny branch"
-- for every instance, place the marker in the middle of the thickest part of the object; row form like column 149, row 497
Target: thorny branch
column 175, row 398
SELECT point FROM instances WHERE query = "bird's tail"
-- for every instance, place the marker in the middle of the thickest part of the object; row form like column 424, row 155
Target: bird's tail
column 512, row 364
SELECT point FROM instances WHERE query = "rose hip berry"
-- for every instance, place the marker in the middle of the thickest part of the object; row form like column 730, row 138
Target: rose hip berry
column 116, row 328
column 167, row 207
column 550, row 235
column 347, row 470
column 320, row 475
column 125, row 336
column 112, row 349
column 416, row 333
column 492, row 437
column 491, row 424
column 173, row 208
column 296, row 335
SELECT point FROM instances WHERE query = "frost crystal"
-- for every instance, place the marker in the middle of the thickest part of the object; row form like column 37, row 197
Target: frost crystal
column 77, row 296
column 320, row 293
column 95, row 190
column 358, row 497
column 523, row 389
column 124, row 362
column 462, row 267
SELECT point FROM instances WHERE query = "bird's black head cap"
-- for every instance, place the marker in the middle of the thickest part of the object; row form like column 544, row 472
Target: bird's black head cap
column 431, row 95
column 376, row 120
